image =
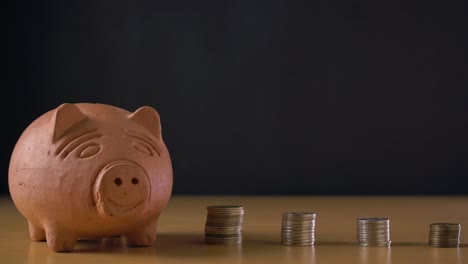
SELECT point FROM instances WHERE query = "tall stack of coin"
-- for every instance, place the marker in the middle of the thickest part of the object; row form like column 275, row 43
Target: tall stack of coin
column 373, row 232
column 224, row 224
column 444, row 235
column 298, row 229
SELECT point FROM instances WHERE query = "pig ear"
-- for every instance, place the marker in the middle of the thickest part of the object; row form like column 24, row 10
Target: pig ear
column 66, row 116
column 147, row 117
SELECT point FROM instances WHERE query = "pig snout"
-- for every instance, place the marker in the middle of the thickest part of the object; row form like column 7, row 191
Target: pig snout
column 121, row 189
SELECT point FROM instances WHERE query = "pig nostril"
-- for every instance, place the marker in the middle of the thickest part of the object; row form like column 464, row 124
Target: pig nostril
column 118, row 181
column 135, row 181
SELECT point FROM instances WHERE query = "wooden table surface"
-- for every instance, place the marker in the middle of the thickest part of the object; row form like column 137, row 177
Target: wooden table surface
column 181, row 233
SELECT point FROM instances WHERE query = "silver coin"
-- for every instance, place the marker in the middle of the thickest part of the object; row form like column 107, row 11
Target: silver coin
column 298, row 229
column 224, row 224
column 373, row 232
column 444, row 234
column 299, row 216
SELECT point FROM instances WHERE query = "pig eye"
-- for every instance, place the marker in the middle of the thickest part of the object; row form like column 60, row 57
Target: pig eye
column 89, row 151
column 143, row 149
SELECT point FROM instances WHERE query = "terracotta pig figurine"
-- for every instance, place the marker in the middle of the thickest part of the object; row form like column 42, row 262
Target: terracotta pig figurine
column 91, row 170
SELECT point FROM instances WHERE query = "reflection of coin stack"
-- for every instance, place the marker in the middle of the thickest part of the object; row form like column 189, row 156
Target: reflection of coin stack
column 224, row 224
column 373, row 232
column 298, row 229
column 444, row 235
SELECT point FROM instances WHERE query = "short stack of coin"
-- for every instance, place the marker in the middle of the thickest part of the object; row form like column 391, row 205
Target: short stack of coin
column 224, row 224
column 298, row 229
column 374, row 232
column 444, row 235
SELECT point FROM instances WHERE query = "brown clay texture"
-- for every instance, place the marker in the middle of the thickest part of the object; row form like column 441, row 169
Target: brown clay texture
column 91, row 170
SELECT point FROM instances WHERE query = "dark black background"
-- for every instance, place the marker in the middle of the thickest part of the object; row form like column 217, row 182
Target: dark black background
column 260, row 97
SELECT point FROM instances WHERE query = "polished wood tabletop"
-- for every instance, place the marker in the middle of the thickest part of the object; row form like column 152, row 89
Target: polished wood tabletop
column 181, row 233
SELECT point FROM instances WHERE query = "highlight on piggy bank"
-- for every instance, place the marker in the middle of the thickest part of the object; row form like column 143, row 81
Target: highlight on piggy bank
column 91, row 170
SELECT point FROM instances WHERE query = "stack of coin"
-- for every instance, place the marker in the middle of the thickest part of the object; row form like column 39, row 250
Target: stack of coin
column 373, row 232
column 444, row 235
column 224, row 224
column 298, row 229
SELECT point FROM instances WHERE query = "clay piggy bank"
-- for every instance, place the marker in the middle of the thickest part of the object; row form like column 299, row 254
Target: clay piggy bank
column 91, row 170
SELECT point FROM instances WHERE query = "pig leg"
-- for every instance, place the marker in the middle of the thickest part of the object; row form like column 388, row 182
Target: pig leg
column 144, row 236
column 36, row 233
column 59, row 240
